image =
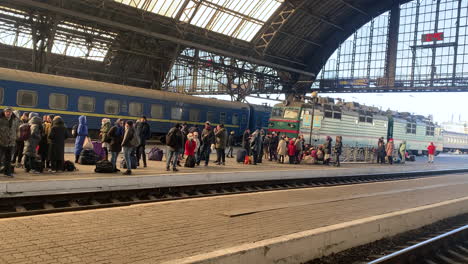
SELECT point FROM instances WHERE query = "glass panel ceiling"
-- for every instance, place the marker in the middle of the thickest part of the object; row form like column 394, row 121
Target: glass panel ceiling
column 240, row 19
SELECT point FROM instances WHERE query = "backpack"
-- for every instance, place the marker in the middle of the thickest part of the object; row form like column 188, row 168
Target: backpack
column 88, row 157
column 24, row 132
column 74, row 130
column 104, row 166
column 69, row 166
column 155, row 154
column 171, row 138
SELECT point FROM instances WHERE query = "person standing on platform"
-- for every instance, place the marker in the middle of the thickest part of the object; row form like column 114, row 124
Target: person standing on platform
column 196, row 138
column 18, row 156
column 185, row 130
column 327, row 150
column 103, row 135
column 143, row 132
column 256, row 146
column 44, row 143
column 299, row 147
column 129, row 143
column 30, row 145
column 282, row 149
column 231, row 143
column 246, row 141
column 402, row 151
column 57, row 136
column 431, row 150
column 292, row 151
column 381, row 151
column 174, row 142
column 338, row 150
column 9, row 126
column 190, row 147
column 220, row 145
column 116, row 134
column 207, row 138
column 266, row 146
column 82, row 133
column 273, row 147
column 389, row 150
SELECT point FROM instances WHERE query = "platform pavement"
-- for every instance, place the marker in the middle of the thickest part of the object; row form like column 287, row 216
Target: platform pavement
column 172, row 231
column 85, row 180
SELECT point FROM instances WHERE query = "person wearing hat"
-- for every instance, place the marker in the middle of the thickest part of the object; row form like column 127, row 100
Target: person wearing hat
column 9, row 126
column 207, row 138
column 231, row 143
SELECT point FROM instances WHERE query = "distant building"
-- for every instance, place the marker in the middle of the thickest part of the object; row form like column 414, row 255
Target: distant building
column 457, row 127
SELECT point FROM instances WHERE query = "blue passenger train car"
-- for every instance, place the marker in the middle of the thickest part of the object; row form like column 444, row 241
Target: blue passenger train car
column 71, row 97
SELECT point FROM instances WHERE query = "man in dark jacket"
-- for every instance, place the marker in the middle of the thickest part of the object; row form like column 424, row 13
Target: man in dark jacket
column 57, row 136
column 273, row 147
column 221, row 142
column 9, row 125
column 116, row 134
column 256, row 146
column 207, row 138
column 144, row 133
column 231, row 143
column 381, row 151
column 246, row 141
column 174, row 142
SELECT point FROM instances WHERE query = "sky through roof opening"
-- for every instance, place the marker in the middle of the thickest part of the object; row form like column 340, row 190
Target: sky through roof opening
column 241, row 19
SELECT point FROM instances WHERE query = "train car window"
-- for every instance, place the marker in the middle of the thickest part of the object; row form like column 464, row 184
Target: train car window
column 429, row 130
column 235, row 119
column 176, row 113
column 222, row 118
column 337, row 115
column 111, row 106
column 58, row 101
column 135, row 109
column 1, row 95
column 26, row 98
column 410, row 128
column 277, row 112
column 157, row 111
column 244, row 119
column 210, row 116
column 291, row 113
column 86, row 104
column 194, row 115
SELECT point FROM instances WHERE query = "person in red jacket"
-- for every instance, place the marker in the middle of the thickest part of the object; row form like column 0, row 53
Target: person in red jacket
column 190, row 146
column 292, row 151
column 431, row 152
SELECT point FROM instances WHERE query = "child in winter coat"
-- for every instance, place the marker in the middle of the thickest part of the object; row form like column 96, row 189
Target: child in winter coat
column 292, row 151
column 190, row 147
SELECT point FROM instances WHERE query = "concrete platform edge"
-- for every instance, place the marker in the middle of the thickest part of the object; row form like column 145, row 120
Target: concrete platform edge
column 304, row 246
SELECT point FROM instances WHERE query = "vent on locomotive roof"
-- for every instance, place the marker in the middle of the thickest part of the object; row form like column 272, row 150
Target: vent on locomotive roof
column 353, row 105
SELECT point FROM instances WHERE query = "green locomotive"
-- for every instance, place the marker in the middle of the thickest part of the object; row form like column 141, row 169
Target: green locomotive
column 359, row 125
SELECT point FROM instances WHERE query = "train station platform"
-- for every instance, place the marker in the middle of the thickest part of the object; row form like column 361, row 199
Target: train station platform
column 290, row 226
column 155, row 175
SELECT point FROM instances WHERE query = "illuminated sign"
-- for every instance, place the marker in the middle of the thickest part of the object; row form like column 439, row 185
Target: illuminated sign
column 432, row 37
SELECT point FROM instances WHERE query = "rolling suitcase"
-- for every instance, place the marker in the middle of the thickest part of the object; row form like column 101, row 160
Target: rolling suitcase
column 240, row 155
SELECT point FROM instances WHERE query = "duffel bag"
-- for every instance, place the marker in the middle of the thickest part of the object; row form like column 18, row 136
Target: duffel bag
column 104, row 166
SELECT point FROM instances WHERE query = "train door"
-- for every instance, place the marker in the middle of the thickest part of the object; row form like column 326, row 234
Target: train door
column 390, row 127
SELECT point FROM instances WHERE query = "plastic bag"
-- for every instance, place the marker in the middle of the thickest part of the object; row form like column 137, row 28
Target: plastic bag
column 88, row 144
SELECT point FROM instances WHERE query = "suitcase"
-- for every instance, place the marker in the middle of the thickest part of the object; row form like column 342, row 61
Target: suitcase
column 190, row 162
column 97, row 146
column 104, row 166
column 240, row 155
column 155, row 154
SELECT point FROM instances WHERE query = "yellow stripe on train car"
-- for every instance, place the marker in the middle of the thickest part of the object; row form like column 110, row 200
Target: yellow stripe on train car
column 52, row 111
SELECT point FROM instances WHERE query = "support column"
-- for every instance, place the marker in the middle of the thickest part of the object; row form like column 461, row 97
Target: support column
column 392, row 44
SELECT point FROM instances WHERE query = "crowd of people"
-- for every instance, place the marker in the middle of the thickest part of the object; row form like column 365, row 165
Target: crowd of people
column 41, row 142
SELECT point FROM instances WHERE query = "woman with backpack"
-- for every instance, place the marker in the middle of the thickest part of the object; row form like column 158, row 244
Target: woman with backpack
column 105, row 140
column 82, row 133
column 129, row 143
column 57, row 136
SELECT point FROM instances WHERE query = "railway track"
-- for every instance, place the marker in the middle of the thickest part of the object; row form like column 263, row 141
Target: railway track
column 449, row 247
column 32, row 205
